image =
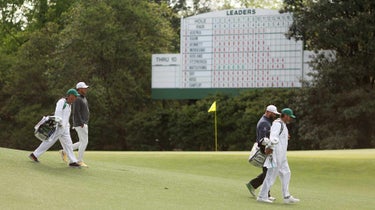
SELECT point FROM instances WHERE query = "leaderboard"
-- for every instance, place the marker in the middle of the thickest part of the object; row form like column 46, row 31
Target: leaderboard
column 244, row 48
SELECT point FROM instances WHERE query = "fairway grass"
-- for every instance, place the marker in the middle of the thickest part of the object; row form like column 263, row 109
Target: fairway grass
column 342, row 179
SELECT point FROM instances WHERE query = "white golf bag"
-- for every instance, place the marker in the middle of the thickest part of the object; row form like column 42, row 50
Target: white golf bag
column 46, row 127
column 256, row 157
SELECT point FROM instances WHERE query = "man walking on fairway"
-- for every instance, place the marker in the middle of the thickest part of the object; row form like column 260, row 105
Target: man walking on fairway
column 63, row 109
column 81, row 116
column 263, row 131
column 276, row 162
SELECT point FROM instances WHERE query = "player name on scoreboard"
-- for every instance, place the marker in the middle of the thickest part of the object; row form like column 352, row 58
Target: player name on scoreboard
column 239, row 49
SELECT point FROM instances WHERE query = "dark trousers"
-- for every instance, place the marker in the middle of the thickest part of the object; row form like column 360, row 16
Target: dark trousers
column 256, row 182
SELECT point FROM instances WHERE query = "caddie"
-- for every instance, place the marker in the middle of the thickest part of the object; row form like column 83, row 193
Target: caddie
column 263, row 131
column 277, row 162
column 63, row 110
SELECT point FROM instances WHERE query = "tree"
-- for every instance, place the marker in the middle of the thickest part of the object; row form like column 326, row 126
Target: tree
column 190, row 127
column 264, row 4
column 336, row 104
column 109, row 45
column 26, row 93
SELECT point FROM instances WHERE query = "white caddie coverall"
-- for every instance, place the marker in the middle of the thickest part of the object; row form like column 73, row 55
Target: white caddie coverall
column 277, row 163
column 62, row 132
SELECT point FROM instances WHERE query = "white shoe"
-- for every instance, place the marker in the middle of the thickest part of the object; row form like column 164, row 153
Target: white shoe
column 271, row 198
column 63, row 155
column 264, row 200
column 81, row 163
column 291, row 199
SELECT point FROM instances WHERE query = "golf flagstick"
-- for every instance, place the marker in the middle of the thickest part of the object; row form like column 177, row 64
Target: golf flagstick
column 213, row 109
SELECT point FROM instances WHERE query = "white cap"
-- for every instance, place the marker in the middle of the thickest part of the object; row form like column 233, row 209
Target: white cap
column 81, row 85
column 273, row 109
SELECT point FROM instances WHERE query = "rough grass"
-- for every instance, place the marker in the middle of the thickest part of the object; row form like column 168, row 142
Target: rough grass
column 182, row 180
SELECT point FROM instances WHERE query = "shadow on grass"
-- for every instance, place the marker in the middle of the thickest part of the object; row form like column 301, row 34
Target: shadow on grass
column 59, row 169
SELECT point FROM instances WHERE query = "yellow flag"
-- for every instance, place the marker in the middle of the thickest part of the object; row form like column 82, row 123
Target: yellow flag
column 213, row 107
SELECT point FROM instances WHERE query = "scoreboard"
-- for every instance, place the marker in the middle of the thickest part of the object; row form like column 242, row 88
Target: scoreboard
column 240, row 48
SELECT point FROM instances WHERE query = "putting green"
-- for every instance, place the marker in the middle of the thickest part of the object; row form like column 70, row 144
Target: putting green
column 183, row 180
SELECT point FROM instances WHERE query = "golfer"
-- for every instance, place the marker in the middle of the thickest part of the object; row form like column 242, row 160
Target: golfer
column 277, row 163
column 81, row 114
column 63, row 110
column 263, row 130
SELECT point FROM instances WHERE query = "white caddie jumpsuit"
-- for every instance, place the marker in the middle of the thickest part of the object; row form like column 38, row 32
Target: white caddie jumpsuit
column 277, row 162
column 62, row 132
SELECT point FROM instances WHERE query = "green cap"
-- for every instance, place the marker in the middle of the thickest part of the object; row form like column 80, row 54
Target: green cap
column 288, row 112
column 72, row 92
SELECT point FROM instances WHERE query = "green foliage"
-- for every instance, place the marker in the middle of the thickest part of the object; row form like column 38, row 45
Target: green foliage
column 149, row 130
column 336, row 108
column 263, row 4
column 108, row 44
column 190, row 127
column 25, row 90
column 340, row 121
column 112, row 41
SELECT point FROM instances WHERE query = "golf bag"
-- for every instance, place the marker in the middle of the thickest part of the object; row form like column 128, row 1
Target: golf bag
column 256, row 157
column 46, row 127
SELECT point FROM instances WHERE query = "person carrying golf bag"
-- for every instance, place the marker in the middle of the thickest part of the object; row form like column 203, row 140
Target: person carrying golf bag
column 277, row 162
column 62, row 133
